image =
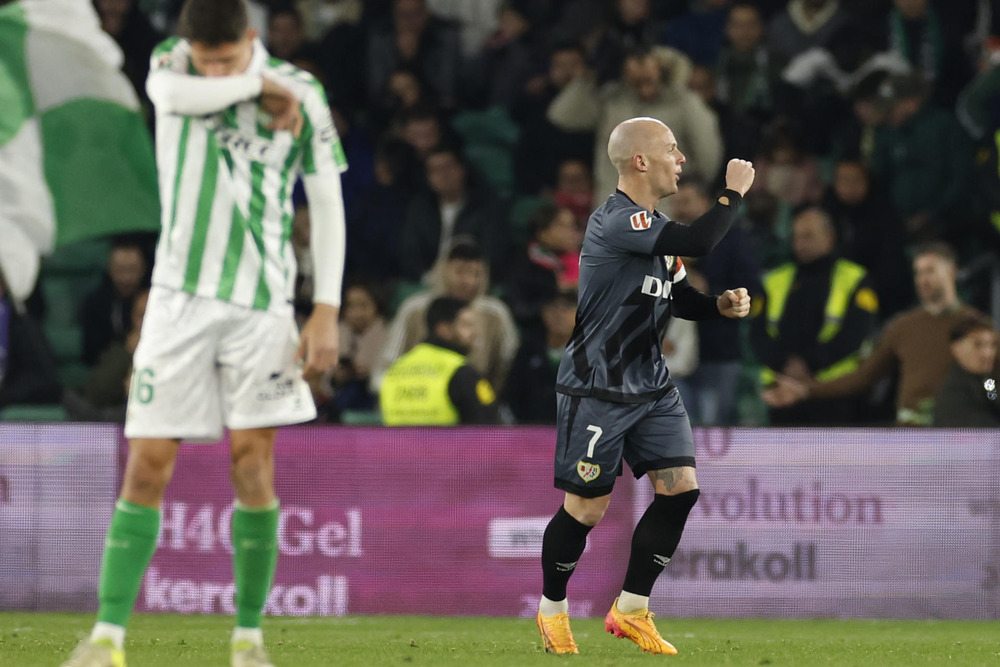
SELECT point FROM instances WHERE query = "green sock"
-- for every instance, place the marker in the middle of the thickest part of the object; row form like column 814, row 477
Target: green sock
column 255, row 555
column 128, row 549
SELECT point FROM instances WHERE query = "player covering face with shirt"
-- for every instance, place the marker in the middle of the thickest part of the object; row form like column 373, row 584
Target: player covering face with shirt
column 615, row 401
column 219, row 348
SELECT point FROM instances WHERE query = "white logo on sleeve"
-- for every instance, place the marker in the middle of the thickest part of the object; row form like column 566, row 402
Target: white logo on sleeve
column 640, row 221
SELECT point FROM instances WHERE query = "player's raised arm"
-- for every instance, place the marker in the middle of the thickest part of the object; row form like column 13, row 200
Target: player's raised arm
column 705, row 232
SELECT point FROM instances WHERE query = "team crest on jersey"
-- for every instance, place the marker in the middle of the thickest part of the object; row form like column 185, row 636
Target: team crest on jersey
column 670, row 260
column 588, row 472
column 640, row 221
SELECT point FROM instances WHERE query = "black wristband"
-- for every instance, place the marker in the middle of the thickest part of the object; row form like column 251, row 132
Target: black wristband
column 735, row 199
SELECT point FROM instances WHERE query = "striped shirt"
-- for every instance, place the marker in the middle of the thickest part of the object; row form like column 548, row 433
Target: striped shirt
column 226, row 183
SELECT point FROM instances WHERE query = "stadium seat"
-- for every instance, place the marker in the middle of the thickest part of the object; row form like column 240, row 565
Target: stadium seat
column 360, row 417
column 489, row 126
column 33, row 413
column 490, row 136
column 401, row 293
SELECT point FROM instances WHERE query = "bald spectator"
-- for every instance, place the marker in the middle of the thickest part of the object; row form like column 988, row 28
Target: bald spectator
column 817, row 314
column 915, row 345
column 653, row 84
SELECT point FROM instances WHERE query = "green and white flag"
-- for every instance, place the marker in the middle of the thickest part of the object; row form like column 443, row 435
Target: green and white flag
column 76, row 160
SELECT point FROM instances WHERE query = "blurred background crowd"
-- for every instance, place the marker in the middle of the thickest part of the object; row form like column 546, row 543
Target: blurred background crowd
column 476, row 135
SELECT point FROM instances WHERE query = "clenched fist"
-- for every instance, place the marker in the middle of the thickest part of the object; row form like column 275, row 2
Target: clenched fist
column 734, row 303
column 739, row 175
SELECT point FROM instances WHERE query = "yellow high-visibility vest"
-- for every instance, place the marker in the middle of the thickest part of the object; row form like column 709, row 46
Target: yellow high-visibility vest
column 843, row 282
column 415, row 389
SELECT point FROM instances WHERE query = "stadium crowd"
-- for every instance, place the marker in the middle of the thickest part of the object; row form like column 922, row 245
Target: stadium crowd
column 476, row 135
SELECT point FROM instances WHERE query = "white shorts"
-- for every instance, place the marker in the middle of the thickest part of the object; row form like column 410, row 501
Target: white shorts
column 202, row 364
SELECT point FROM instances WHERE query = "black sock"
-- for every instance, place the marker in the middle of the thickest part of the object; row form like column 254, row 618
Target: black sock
column 563, row 544
column 656, row 538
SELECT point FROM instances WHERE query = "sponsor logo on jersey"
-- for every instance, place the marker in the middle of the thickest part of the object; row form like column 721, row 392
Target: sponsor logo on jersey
column 654, row 286
column 640, row 221
column 588, row 472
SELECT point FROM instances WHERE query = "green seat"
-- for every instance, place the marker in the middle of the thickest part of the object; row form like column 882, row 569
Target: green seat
column 490, row 136
column 403, row 291
column 496, row 163
column 66, row 340
column 360, row 417
column 73, row 373
column 64, row 294
column 33, row 413
column 491, row 126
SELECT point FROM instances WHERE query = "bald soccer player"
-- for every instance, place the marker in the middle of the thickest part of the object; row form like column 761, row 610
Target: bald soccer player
column 615, row 400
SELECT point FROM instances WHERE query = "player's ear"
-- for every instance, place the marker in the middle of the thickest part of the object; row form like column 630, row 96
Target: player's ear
column 639, row 162
column 251, row 34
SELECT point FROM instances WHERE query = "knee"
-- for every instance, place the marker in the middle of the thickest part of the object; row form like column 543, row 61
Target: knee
column 588, row 511
column 252, row 472
column 146, row 477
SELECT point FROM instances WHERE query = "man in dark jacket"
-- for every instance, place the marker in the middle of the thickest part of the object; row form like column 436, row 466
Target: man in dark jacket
column 27, row 366
column 457, row 203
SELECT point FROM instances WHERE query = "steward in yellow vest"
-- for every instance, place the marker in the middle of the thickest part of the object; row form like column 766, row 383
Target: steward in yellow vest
column 433, row 384
column 818, row 312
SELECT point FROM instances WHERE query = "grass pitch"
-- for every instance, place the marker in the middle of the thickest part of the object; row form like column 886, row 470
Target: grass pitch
column 27, row 640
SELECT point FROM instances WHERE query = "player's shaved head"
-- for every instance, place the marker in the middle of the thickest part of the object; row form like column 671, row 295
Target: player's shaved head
column 632, row 137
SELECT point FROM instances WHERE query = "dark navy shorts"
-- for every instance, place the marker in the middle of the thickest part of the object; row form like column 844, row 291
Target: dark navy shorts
column 593, row 436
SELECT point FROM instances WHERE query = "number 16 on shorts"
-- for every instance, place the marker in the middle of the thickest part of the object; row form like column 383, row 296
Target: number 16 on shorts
column 588, row 471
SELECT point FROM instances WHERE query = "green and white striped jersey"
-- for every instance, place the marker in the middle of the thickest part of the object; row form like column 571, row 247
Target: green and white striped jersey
column 226, row 186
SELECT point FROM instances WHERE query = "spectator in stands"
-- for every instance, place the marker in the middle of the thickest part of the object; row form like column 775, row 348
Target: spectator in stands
column 104, row 393
column 630, row 26
column 816, row 316
column 654, row 84
column 699, row 33
column 709, row 390
column 434, row 384
column 423, row 129
column 376, row 217
column 932, row 44
column 511, row 56
column 746, row 78
column 531, row 386
column 464, row 275
column 28, row 371
column 360, row 154
column 915, row 344
column 478, row 20
column 868, row 233
column 136, row 36
column 551, row 261
column 802, row 25
column 543, row 145
column 362, row 335
column 286, row 38
column 405, row 91
column 417, row 38
column 338, row 34
column 853, row 138
column 456, row 202
column 925, row 159
column 575, row 189
column 106, row 315
column 785, row 168
column 968, row 397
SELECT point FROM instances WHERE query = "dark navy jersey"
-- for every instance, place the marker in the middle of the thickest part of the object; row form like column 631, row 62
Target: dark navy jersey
column 624, row 305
